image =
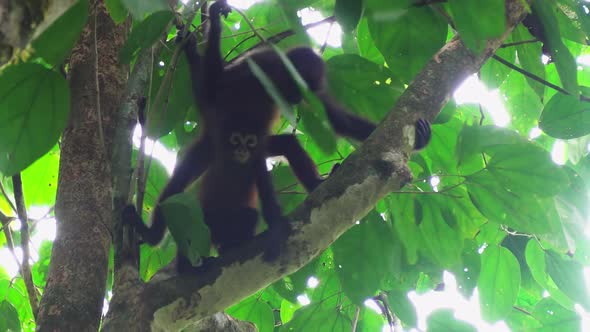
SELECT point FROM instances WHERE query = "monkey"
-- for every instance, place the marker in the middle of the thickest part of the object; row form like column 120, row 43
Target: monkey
column 230, row 153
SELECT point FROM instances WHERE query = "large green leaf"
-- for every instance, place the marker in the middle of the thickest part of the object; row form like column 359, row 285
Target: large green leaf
column 365, row 87
column 402, row 307
column 474, row 33
column 568, row 275
column 55, row 43
column 365, row 254
column 499, row 282
column 407, row 38
column 348, row 13
column 256, row 311
column 565, row 116
column 535, row 258
column 117, row 11
column 317, row 318
column 560, row 54
column 177, row 100
column 40, row 180
column 145, row 34
column 477, row 139
column 34, row 107
column 185, row 221
column 437, row 234
column 141, row 8
column 10, row 321
column 521, row 211
column 529, row 56
column 443, row 320
column 523, row 168
column 556, row 318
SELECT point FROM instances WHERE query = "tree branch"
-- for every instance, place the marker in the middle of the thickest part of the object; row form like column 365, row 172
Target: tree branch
column 19, row 199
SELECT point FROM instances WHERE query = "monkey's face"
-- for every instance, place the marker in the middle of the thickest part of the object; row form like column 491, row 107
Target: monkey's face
column 243, row 146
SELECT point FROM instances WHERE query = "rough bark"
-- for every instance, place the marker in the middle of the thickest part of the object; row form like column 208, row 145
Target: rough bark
column 76, row 282
column 171, row 303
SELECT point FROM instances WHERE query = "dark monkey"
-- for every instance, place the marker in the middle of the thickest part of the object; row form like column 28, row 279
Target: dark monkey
column 235, row 141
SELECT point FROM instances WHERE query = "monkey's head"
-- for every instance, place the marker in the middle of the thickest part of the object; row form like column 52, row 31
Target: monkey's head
column 243, row 146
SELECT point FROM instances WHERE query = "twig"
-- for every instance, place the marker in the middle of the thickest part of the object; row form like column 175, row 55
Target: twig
column 535, row 77
column 97, row 85
column 5, row 194
column 530, row 41
column 6, row 220
column 355, row 321
column 252, row 27
column 275, row 39
column 17, row 187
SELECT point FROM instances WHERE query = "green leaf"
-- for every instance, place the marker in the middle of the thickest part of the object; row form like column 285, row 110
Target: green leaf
column 568, row 275
column 475, row 32
column 318, row 319
column 402, row 307
column 364, row 256
column 370, row 321
column 560, row 54
column 535, row 258
column 407, row 46
column 185, row 221
column 499, row 282
column 255, row 311
column 145, row 34
column 348, row 13
column 565, row 116
column 172, row 109
column 34, row 108
column 476, row 139
column 141, row 8
column 41, row 266
column 437, row 234
column 443, row 320
column 316, row 124
column 493, row 73
column 117, row 11
column 521, row 211
column 402, row 209
column 10, row 320
column 529, row 56
column 525, row 168
column 556, row 318
column 40, row 180
column 55, row 43
column 366, row 88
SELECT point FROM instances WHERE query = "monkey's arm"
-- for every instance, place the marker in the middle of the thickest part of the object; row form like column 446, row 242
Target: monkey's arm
column 351, row 125
column 213, row 60
column 302, row 165
column 278, row 225
column 195, row 162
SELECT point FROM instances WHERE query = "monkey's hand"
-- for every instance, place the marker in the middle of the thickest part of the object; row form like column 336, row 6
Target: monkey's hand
column 423, row 134
column 220, row 7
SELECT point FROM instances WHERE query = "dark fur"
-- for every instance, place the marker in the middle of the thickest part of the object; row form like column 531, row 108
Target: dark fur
column 233, row 147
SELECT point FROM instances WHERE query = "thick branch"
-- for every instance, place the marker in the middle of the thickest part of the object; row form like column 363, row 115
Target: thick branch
column 77, row 276
column 374, row 170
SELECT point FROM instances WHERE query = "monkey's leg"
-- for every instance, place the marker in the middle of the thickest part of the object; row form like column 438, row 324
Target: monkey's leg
column 195, row 162
column 278, row 225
